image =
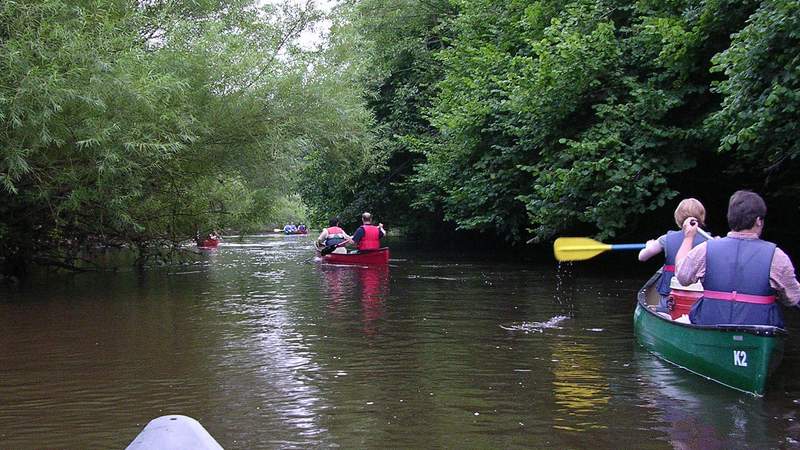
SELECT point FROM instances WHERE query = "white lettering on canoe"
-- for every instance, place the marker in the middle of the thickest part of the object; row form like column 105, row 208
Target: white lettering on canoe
column 740, row 358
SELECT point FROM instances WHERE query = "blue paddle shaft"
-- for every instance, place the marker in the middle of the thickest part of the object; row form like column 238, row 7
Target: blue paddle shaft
column 627, row 246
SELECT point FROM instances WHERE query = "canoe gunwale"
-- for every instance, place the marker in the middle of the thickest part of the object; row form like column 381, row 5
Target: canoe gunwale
column 378, row 256
column 758, row 330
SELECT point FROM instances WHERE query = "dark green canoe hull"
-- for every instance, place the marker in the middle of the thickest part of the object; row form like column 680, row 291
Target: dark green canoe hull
column 740, row 357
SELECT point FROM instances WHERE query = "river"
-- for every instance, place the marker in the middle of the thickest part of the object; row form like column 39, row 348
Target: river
column 268, row 348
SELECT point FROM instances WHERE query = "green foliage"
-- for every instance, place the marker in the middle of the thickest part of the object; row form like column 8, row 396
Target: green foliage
column 390, row 48
column 139, row 124
column 515, row 117
column 554, row 116
column 760, row 114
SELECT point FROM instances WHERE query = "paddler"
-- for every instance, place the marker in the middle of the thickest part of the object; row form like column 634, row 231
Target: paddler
column 368, row 236
column 669, row 244
column 742, row 275
column 333, row 235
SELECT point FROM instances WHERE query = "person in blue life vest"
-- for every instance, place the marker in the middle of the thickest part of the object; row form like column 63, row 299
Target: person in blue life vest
column 333, row 235
column 670, row 242
column 742, row 275
column 368, row 236
column 289, row 228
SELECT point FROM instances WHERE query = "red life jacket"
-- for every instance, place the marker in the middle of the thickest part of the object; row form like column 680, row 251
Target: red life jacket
column 336, row 236
column 335, row 230
column 371, row 239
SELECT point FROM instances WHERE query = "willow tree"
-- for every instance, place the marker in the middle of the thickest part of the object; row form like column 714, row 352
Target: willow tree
column 139, row 123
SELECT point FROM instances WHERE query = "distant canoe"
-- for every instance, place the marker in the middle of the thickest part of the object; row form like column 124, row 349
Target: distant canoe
column 208, row 243
column 738, row 356
column 363, row 257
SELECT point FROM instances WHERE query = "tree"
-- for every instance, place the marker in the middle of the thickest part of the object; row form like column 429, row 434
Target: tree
column 139, row 124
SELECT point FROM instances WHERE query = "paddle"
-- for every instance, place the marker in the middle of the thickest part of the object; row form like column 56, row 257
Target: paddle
column 330, row 248
column 580, row 248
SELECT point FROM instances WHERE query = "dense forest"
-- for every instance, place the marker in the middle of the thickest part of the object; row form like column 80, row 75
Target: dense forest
column 139, row 123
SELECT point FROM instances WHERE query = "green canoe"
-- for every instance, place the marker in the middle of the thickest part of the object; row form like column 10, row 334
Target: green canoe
column 738, row 356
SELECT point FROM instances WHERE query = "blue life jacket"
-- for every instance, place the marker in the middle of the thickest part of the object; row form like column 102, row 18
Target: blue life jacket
column 736, row 285
column 672, row 245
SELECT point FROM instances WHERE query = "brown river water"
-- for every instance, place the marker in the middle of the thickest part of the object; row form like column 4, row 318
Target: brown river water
column 268, row 348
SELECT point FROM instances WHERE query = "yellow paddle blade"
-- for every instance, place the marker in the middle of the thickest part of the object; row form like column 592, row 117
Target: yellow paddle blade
column 578, row 248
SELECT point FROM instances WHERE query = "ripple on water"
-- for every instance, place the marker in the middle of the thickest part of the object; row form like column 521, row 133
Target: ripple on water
column 538, row 327
column 270, row 351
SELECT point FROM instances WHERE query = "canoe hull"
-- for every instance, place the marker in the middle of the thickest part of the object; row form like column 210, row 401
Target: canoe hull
column 208, row 243
column 740, row 357
column 380, row 256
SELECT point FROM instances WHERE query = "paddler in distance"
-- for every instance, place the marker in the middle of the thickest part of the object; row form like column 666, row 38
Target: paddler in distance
column 742, row 275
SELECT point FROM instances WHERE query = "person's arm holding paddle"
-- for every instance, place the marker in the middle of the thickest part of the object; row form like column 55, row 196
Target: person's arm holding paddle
column 690, row 263
column 322, row 237
column 347, row 239
column 652, row 248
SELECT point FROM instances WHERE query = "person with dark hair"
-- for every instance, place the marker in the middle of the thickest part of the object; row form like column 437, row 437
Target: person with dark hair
column 742, row 275
column 333, row 235
column 368, row 236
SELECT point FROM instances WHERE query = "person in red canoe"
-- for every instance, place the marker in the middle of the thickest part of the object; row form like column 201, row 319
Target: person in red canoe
column 742, row 275
column 368, row 236
column 333, row 235
column 669, row 244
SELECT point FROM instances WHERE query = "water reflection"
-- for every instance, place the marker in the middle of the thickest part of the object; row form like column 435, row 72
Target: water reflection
column 374, row 289
column 697, row 413
column 269, row 350
column 580, row 388
column 368, row 286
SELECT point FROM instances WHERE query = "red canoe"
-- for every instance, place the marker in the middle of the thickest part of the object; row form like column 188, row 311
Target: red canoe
column 208, row 243
column 379, row 256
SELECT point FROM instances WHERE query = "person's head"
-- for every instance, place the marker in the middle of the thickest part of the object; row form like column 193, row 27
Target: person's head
column 334, row 222
column 744, row 210
column 690, row 207
column 366, row 217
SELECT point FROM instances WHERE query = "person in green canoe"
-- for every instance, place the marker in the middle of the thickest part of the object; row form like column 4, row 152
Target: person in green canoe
column 742, row 275
column 670, row 242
